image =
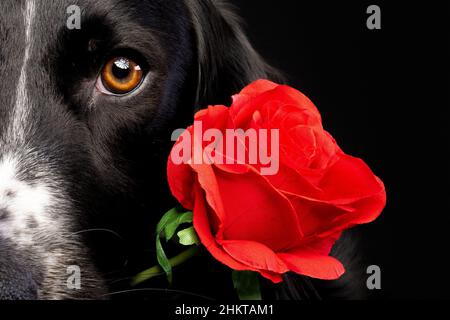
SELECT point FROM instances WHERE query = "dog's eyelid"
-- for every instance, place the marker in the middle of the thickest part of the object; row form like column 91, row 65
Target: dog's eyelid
column 130, row 53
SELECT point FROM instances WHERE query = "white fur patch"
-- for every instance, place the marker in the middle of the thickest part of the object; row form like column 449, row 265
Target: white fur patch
column 24, row 203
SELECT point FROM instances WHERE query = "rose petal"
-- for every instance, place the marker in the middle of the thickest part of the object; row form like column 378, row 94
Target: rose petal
column 316, row 217
column 257, row 87
column 216, row 117
column 244, row 106
column 314, row 266
column 254, row 211
column 281, row 115
column 203, row 228
column 207, row 179
column 290, row 181
column 322, row 218
column 352, row 195
column 349, row 179
column 255, row 255
column 311, row 264
column 364, row 211
column 181, row 178
column 274, row 277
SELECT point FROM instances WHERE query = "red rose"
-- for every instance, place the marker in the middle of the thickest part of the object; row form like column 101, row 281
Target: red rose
column 277, row 223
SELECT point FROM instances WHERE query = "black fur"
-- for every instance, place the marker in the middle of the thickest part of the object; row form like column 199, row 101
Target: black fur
column 110, row 153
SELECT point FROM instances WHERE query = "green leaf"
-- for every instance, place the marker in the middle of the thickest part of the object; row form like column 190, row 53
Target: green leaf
column 188, row 237
column 163, row 260
column 166, row 219
column 160, row 254
column 173, row 225
column 247, row 285
column 167, row 228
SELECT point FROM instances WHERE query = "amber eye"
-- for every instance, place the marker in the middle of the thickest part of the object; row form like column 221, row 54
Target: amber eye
column 121, row 75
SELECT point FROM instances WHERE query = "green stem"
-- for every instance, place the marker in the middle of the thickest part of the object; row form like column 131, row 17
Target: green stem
column 157, row 270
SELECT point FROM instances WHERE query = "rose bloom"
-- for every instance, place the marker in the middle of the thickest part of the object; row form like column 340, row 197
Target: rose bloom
column 287, row 222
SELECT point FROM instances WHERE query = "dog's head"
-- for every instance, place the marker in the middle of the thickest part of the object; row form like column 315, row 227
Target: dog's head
column 86, row 116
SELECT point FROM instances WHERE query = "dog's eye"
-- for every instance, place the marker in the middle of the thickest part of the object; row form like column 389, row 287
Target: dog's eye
column 121, row 75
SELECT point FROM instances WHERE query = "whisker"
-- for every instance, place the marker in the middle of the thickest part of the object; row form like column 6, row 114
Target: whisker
column 160, row 290
column 114, row 281
column 100, row 230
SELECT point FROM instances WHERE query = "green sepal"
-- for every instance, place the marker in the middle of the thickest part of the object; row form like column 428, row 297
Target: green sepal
column 247, row 285
column 172, row 226
column 188, row 237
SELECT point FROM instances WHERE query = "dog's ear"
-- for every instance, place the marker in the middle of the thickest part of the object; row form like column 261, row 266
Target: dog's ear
column 226, row 60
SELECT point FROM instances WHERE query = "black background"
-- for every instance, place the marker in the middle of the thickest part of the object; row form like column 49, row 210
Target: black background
column 384, row 95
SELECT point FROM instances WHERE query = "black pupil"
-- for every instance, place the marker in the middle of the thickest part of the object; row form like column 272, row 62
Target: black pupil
column 121, row 68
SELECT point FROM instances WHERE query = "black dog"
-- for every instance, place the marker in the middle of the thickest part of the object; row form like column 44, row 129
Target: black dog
column 86, row 117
